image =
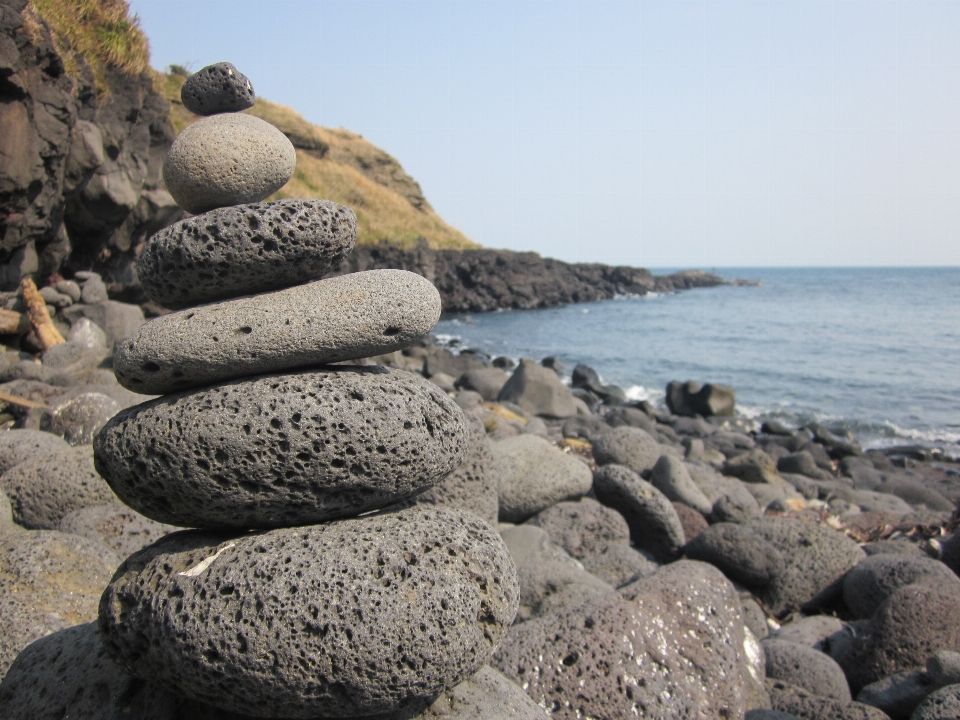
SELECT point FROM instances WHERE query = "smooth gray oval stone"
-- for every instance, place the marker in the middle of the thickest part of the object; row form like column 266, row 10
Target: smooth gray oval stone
column 242, row 250
column 354, row 617
column 227, row 159
column 341, row 318
column 217, row 88
column 282, row 450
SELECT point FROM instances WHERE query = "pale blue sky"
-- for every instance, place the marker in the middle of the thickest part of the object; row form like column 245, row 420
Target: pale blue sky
column 666, row 133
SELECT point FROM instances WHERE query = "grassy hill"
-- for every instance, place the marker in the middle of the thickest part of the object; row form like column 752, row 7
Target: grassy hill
column 339, row 165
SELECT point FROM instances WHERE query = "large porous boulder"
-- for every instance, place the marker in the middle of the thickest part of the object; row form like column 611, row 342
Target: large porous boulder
column 652, row 518
column 742, row 555
column 48, row 581
column 670, row 645
column 873, row 579
column 806, row 705
column 47, row 487
column 123, row 530
column 357, row 617
column 535, row 474
column 538, row 391
column 815, row 558
column 281, row 450
column 671, row 477
column 550, row 580
column 628, row 446
column 582, row 528
column 807, row 668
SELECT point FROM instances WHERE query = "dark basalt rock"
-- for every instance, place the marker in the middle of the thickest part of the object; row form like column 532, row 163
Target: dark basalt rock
column 875, row 578
column 741, row 555
column 245, row 249
column 119, row 528
column 282, row 450
column 348, row 618
column 217, row 88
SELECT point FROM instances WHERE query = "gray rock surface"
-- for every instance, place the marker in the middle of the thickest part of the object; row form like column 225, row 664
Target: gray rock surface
column 122, row 530
column 487, row 381
column 217, row 88
column 943, row 667
column 628, row 446
column 653, row 521
column 281, row 450
column 944, row 704
column 534, row 474
column 45, row 488
column 735, row 503
column 810, row 631
column 488, row 695
column 668, row 646
column 228, row 159
column 582, row 528
column 341, row 318
column 19, row 445
column 78, row 418
column 742, row 555
column 538, row 391
column 754, row 466
column 807, row 668
column 671, row 477
column 898, row 695
column 815, row 558
column 767, row 714
column 619, row 565
column 88, row 334
column 354, row 617
column 875, row 578
column 117, row 320
column 243, row 250
column 807, row 706
column 873, row 501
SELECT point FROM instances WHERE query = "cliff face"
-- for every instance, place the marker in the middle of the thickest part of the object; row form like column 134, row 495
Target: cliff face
column 79, row 165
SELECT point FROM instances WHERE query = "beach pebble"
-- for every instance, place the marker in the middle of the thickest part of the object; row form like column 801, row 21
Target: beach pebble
column 810, row 631
column 628, row 446
column 93, row 291
column 807, row 668
column 86, row 333
column 754, row 466
column 815, row 557
column 805, row 705
column 653, row 521
column 538, row 391
column 872, row 501
column 535, row 474
column 669, row 645
column 619, row 565
column 873, row 579
column 120, row 529
column 488, row 695
column 341, row 318
column 233, row 251
column 217, row 88
column 898, row 695
column 743, row 556
column 227, row 159
column 692, row 522
column 735, row 503
column 78, row 418
column 46, row 487
column 915, row 493
column 670, row 476
column 354, row 617
column 117, row 320
column 280, row 450
column 943, row 667
column 944, row 704
column 69, row 288
column 16, row 446
column 582, row 528
column 488, row 382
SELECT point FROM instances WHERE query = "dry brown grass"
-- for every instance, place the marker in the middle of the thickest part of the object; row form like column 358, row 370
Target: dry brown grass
column 101, row 31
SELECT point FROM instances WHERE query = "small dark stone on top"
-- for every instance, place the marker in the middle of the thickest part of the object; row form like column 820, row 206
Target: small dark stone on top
column 218, row 88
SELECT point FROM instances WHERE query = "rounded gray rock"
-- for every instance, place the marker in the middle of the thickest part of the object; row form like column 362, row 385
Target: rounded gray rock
column 875, row 578
column 619, row 565
column 807, row 668
column 628, row 446
column 802, row 703
column 671, row 477
column 281, row 450
column 582, row 528
column 341, row 318
column 227, row 159
column 741, row 555
column 488, row 695
column 19, row 445
column 122, row 530
column 217, row 88
column 233, row 251
column 44, row 489
column 354, row 617
column 944, row 704
column 77, row 419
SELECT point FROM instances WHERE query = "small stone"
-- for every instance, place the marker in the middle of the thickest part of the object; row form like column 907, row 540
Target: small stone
column 582, row 528
column 534, row 474
column 355, row 617
column 122, row 530
column 670, row 476
column 807, row 668
column 17, row 446
column 117, row 320
column 217, row 88
column 341, row 318
column 538, row 391
column 875, row 578
column 254, row 248
column 488, row 695
column 281, row 450
column 943, row 667
column 227, row 159
column 810, row 631
column 754, row 466
column 804, row 704
column 69, row 288
column 628, row 446
column 944, row 704
column 898, row 695
column 693, row 522
column 86, row 333
column 741, row 555
column 79, row 418
column 619, row 565
column 488, row 381
column 93, row 291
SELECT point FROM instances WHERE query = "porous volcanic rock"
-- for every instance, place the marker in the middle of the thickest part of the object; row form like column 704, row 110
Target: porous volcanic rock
column 740, row 554
column 805, row 705
column 944, row 704
column 217, row 88
column 242, row 250
column 354, row 617
column 19, row 445
column 122, row 530
column 342, row 318
column 807, row 668
column 582, row 528
column 628, row 446
column 281, row 450
column 229, row 159
column 875, row 578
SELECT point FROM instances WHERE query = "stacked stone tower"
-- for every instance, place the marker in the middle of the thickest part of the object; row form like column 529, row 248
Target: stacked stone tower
column 298, row 597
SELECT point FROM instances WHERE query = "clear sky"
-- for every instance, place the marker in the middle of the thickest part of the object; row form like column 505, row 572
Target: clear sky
column 666, row 133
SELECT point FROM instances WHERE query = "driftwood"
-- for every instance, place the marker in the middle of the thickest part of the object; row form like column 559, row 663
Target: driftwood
column 47, row 333
column 22, row 402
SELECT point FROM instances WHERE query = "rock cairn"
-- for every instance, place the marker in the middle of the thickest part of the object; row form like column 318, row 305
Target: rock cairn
column 287, row 603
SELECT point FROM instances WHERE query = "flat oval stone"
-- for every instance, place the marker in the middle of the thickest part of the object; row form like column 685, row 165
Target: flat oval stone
column 247, row 249
column 227, row 159
column 217, row 88
column 282, row 450
column 341, row 318
column 350, row 618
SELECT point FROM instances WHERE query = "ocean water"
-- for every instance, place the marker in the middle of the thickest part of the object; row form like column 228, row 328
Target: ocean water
column 872, row 350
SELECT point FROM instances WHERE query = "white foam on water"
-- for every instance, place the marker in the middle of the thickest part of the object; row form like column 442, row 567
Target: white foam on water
column 639, row 393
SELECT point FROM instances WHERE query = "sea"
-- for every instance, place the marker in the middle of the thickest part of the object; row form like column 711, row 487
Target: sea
column 875, row 351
